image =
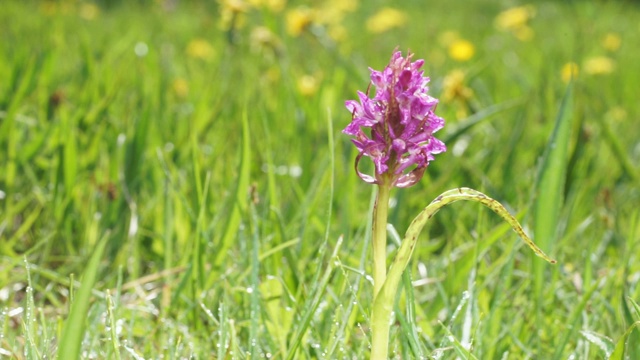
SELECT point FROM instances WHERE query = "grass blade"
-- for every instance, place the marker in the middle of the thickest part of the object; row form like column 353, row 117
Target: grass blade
column 618, row 149
column 550, row 186
column 305, row 319
column 460, row 350
column 618, row 352
column 73, row 330
column 222, row 329
column 604, row 343
column 464, row 125
column 255, row 291
column 239, row 201
column 115, row 343
column 572, row 320
column 636, row 307
column 408, row 323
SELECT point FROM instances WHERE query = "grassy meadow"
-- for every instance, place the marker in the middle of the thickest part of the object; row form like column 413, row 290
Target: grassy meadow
column 174, row 183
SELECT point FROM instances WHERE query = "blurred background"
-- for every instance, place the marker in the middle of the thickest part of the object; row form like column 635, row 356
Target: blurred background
column 123, row 119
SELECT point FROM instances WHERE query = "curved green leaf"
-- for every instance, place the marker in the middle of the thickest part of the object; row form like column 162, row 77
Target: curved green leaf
column 618, row 352
column 383, row 303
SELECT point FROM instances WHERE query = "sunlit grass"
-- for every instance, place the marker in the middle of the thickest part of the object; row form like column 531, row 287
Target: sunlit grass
column 125, row 122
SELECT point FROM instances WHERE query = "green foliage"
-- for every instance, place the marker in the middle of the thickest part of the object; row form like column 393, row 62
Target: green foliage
column 198, row 141
column 74, row 326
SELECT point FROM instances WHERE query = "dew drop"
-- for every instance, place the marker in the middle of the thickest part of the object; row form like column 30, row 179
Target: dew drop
column 141, row 49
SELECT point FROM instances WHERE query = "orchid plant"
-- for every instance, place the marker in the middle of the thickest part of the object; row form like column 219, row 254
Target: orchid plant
column 395, row 130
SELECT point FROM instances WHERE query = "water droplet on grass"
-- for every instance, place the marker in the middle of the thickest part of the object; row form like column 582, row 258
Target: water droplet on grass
column 295, row 171
column 141, row 49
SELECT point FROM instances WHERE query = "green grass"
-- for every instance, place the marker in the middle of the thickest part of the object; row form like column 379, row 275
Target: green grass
column 234, row 224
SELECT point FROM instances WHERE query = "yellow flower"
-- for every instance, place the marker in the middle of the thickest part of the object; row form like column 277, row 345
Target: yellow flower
column 234, row 6
column 454, row 87
column 343, row 5
column 333, row 11
column 275, row 6
column 386, row 19
column 332, row 14
column 88, row 11
column 456, row 91
column 514, row 18
column 230, row 13
column 298, row 20
column 461, row 50
column 569, row 71
column 611, row 42
column 180, row 88
column 308, row 85
column 200, row 49
column 599, row 65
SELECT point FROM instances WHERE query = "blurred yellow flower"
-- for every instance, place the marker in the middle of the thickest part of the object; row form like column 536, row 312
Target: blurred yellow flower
column 611, row 41
column 298, row 20
column 386, row 19
column 230, row 13
column 461, row 50
column 333, row 11
column 180, row 88
column 514, row 18
column 569, row 71
column 308, row 85
column 274, row 5
column 200, row 49
column 234, row 6
column 599, row 65
column 454, row 87
column 88, row 11
column 344, row 5
column 332, row 16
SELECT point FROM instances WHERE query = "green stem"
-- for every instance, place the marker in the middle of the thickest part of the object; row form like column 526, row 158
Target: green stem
column 380, row 320
column 380, row 211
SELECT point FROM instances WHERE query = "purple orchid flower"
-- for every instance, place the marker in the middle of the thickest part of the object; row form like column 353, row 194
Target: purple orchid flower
column 402, row 122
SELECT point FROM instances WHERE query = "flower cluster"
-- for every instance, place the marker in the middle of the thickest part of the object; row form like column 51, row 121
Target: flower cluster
column 402, row 122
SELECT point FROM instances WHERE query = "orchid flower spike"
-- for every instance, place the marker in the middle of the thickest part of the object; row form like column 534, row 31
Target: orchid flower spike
column 402, row 122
